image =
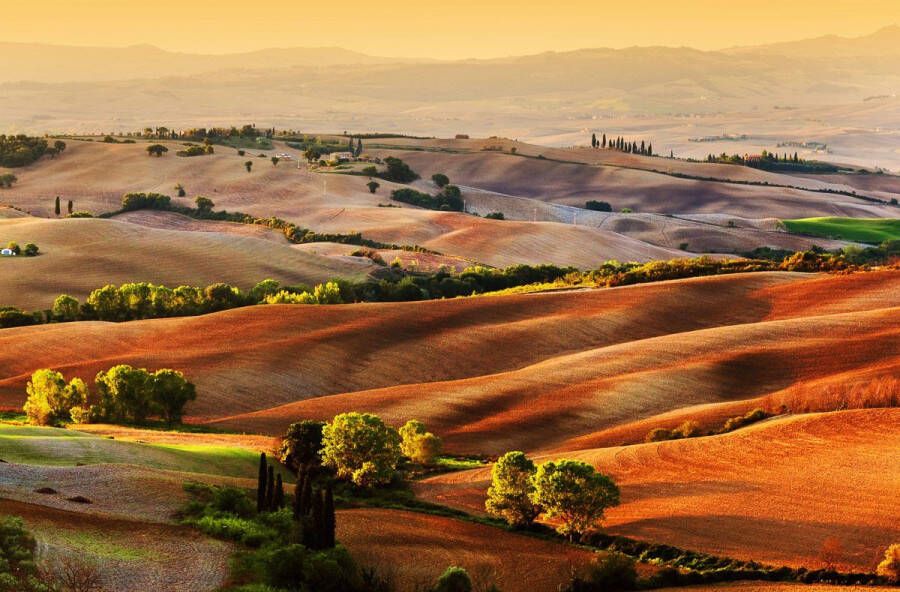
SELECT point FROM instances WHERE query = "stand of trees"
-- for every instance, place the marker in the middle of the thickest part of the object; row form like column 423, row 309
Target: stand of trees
column 623, row 145
column 770, row 161
column 22, row 150
column 124, row 394
column 448, row 200
column 566, row 489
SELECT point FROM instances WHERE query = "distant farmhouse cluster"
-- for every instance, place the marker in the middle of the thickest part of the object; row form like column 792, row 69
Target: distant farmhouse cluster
column 12, row 249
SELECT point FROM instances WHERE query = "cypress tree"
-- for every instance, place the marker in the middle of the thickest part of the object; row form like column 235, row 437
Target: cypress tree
column 317, row 530
column 650, row 149
column 57, row 205
column 306, row 497
column 299, row 487
column 278, row 499
column 261, row 483
column 358, row 148
column 604, row 140
column 350, row 148
column 593, row 140
column 270, row 489
column 70, row 206
column 330, row 519
column 643, row 148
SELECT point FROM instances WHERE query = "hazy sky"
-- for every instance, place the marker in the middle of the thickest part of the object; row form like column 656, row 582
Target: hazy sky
column 444, row 29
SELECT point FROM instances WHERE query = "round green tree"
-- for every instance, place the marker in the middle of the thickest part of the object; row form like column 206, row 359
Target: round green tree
column 418, row 444
column 361, row 448
column 575, row 493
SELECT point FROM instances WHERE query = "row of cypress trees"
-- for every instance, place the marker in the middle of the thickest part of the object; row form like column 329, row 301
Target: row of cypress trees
column 313, row 504
column 622, row 145
column 269, row 487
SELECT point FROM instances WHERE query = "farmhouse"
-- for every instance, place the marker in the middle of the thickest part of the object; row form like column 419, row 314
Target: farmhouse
column 341, row 157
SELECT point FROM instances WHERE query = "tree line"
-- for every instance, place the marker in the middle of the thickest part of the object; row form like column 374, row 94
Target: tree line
column 622, row 145
column 136, row 301
column 770, row 161
column 21, row 150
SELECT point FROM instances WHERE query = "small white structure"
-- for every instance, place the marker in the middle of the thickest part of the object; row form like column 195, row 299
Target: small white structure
column 341, row 157
column 7, row 253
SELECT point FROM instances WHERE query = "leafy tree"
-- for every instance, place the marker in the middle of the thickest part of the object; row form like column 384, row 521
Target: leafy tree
column 454, row 579
column 574, row 492
column 301, row 446
column 509, row 496
column 30, row 250
column 107, row 303
column 59, row 146
column 56, row 206
column 275, row 160
column 597, row 206
column 418, row 444
column 440, row 179
column 18, row 570
column 204, row 204
column 65, row 308
column 248, row 165
column 14, row 247
column 361, row 448
column 50, row 400
column 179, row 188
column 373, row 186
column 156, row 150
column 171, row 392
column 7, row 180
column 125, row 393
column 264, row 289
column 890, row 567
column 398, row 171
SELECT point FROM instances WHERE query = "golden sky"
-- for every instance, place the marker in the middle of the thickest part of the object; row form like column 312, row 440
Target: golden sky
column 429, row 28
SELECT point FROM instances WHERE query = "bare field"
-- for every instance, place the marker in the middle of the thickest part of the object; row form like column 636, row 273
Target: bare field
column 417, row 548
column 130, row 555
column 80, row 255
column 773, row 492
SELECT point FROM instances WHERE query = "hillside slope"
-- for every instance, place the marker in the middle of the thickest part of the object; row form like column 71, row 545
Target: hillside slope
column 773, row 492
column 80, row 255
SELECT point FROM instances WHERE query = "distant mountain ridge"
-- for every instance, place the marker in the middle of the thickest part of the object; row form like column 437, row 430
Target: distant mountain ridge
column 36, row 62
column 33, row 62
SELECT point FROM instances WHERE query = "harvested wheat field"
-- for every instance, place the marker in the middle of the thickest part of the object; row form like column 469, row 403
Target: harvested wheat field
column 390, row 540
column 110, row 251
column 355, row 347
column 515, row 358
column 130, row 555
column 774, row 492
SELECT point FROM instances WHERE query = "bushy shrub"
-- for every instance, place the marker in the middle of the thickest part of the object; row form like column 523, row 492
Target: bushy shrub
column 610, row 572
column 454, row 579
column 440, row 179
column 141, row 201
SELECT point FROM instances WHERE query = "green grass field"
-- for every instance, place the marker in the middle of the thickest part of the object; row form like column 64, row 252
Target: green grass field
column 61, row 447
column 863, row 230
